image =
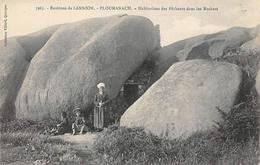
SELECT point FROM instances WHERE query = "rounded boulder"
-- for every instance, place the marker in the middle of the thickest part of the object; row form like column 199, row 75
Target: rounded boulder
column 185, row 99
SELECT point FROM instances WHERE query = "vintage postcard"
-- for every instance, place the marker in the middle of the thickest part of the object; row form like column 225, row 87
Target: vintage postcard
column 137, row 82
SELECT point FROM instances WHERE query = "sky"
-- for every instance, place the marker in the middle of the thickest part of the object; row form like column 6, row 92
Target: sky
column 22, row 17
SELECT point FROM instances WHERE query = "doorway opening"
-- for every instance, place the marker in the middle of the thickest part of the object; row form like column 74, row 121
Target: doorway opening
column 131, row 91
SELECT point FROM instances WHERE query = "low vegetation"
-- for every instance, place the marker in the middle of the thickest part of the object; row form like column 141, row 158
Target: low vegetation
column 25, row 142
column 30, row 147
column 235, row 141
column 28, row 126
column 135, row 146
column 240, row 123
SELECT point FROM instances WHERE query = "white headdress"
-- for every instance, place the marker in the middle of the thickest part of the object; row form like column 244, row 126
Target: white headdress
column 101, row 85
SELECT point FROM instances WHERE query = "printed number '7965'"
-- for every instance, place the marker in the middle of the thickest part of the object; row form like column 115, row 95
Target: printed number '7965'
column 39, row 8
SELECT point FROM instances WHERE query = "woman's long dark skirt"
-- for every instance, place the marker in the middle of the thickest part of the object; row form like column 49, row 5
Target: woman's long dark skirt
column 99, row 117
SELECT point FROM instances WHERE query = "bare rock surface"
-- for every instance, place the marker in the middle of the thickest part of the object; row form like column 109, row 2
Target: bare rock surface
column 65, row 71
column 185, row 98
column 208, row 46
column 15, row 58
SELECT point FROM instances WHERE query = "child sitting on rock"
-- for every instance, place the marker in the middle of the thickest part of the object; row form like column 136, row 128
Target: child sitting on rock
column 63, row 126
column 79, row 124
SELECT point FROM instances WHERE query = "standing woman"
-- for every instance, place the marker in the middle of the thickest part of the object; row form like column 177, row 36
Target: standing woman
column 100, row 101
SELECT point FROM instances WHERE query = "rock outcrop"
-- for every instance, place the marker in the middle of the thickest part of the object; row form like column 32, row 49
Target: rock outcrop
column 185, row 98
column 208, row 46
column 252, row 45
column 65, row 71
column 15, row 57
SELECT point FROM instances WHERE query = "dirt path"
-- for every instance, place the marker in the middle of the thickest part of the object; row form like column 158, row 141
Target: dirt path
column 82, row 144
column 82, row 141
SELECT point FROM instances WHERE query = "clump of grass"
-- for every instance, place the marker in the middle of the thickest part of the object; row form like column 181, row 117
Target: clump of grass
column 246, row 153
column 234, row 142
column 123, row 145
column 248, row 62
column 24, row 141
column 23, row 125
column 32, row 146
column 20, row 139
column 134, row 146
column 240, row 122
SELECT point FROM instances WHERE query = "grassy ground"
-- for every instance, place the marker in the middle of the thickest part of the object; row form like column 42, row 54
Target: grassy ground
column 134, row 146
column 235, row 142
column 29, row 147
column 25, row 142
column 125, row 146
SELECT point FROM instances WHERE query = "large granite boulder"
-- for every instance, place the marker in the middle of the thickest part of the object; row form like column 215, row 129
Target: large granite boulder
column 252, row 46
column 217, row 44
column 65, row 71
column 185, row 98
column 170, row 54
column 15, row 57
column 189, row 44
column 207, row 46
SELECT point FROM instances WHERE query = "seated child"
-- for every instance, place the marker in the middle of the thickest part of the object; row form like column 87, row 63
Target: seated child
column 63, row 126
column 80, row 124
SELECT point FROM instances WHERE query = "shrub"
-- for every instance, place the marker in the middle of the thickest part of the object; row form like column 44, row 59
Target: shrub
column 115, row 110
column 240, row 123
column 21, row 139
column 234, row 142
column 23, row 125
column 120, row 145
column 123, row 145
column 32, row 146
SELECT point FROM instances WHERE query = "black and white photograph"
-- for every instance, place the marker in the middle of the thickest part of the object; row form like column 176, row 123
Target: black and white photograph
column 130, row 82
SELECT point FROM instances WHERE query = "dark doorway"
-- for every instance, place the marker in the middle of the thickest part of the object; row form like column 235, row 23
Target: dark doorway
column 131, row 92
